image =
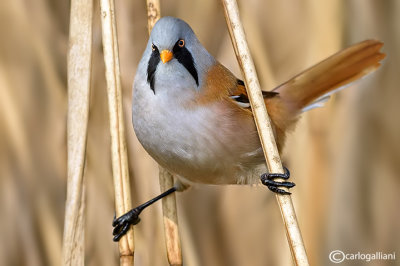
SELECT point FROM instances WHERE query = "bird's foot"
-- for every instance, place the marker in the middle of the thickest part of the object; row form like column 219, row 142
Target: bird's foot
column 268, row 180
column 123, row 223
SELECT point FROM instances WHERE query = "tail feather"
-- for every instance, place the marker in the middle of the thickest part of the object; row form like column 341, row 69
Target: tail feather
column 334, row 72
column 312, row 87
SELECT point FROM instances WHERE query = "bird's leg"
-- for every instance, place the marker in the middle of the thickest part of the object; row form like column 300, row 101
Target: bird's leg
column 268, row 180
column 123, row 223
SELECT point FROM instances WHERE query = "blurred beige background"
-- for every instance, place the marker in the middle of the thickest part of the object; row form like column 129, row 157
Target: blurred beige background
column 344, row 158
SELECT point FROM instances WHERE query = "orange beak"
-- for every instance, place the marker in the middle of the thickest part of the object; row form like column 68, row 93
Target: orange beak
column 166, row 55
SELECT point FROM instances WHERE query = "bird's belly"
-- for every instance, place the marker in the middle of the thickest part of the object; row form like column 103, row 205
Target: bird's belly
column 198, row 144
column 181, row 144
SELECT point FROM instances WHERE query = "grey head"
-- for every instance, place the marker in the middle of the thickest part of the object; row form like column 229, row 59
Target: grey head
column 174, row 57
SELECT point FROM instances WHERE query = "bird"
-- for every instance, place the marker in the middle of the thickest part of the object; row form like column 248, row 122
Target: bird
column 193, row 116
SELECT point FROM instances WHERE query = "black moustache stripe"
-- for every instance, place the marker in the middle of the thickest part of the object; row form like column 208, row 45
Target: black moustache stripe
column 181, row 54
column 186, row 59
column 152, row 66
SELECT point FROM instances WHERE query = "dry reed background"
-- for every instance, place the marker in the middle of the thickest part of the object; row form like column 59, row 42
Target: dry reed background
column 345, row 158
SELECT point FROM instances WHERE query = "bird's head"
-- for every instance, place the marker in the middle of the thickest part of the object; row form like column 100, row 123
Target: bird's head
column 174, row 55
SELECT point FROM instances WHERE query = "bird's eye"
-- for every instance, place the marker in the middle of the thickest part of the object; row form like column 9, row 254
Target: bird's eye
column 153, row 47
column 181, row 43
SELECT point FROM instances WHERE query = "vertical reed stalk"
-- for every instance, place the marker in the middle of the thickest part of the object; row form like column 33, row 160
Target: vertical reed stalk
column 79, row 69
column 118, row 144
column 153, row 13
column 264, row 128
column 170, row 217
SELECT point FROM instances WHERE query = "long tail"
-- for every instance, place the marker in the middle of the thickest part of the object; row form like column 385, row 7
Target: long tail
column 313, row 87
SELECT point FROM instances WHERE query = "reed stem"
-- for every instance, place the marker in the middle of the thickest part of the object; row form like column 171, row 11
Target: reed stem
column 79, row 71
column 264, row 128
column 118, row 143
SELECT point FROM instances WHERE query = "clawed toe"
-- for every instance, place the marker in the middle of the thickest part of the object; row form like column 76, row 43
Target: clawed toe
column 123, row 223
column 268, row 180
